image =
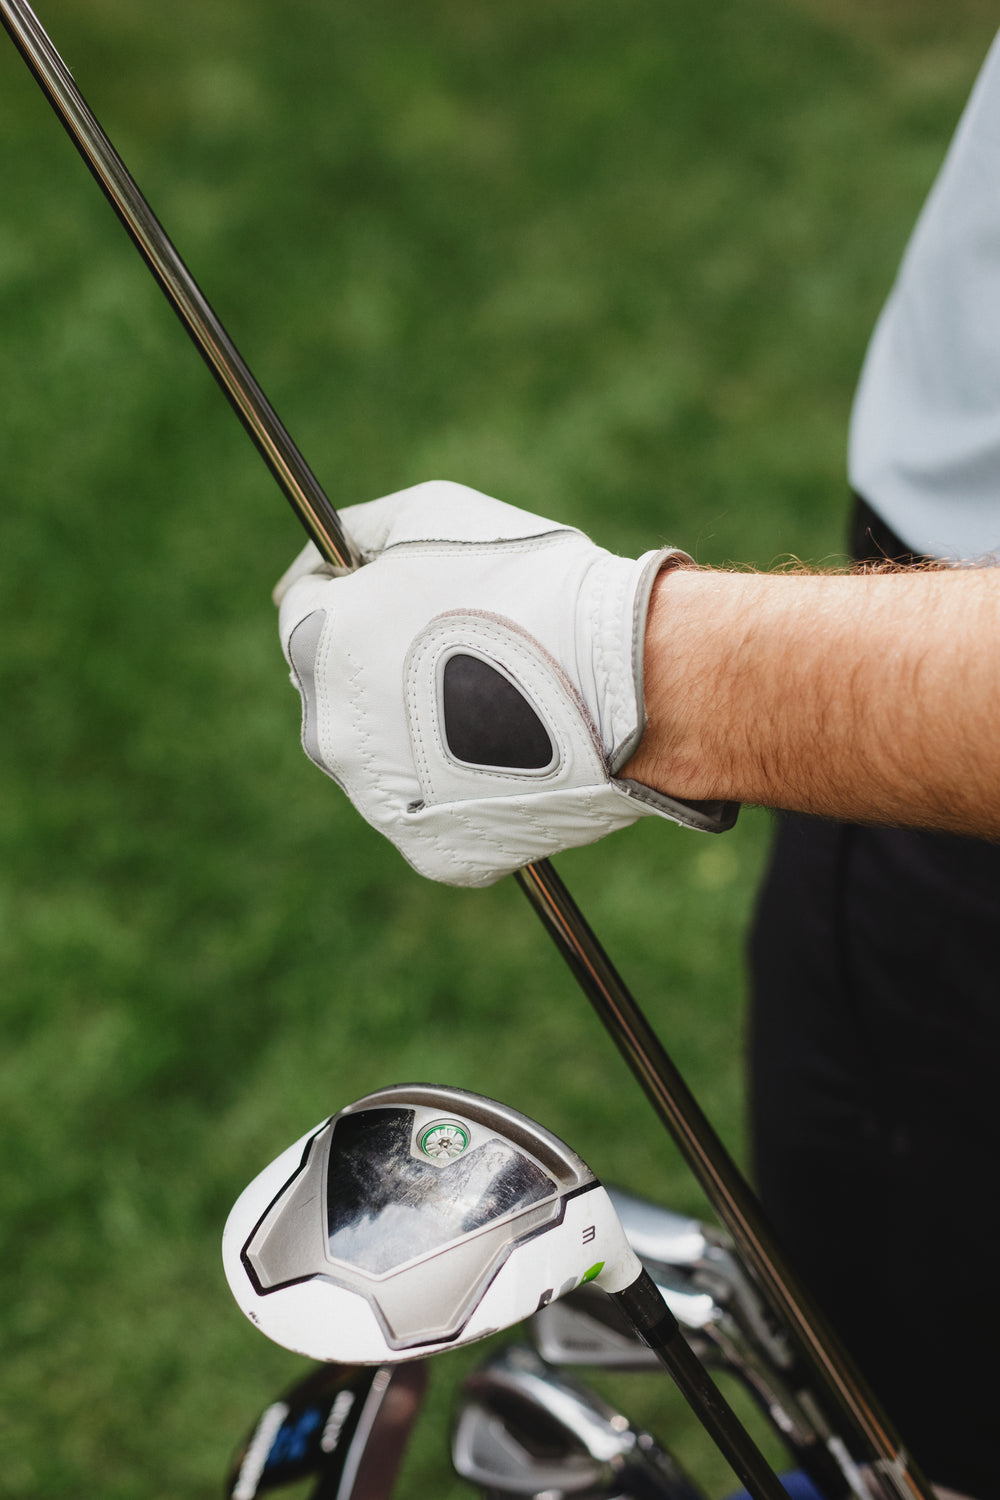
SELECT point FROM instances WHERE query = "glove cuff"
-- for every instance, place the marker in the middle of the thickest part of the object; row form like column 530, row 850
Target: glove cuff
column 707, row 817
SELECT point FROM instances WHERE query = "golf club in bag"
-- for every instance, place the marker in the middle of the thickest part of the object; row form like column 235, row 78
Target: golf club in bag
column 524, row 1429
column 723, row 1318
column 851, row 1412
column 344, row 1427
column 422, row 1218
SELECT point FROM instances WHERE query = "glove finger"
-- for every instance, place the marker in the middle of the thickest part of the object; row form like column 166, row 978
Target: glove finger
column 303, row 646
column 310, row 560
column 439, row 510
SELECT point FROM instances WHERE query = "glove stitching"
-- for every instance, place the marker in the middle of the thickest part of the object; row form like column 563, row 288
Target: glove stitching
column 324, row 724
column 498, row 845
column 452, row 859
column 378, row 805
column 622, row 670
column 594, row 812
column 592, row 820
column 606, row 679
column 437, row 548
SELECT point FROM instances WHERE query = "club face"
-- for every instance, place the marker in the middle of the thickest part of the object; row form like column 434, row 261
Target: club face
column 417, row 1219
column 683, row 1254
column 586, row 1328
column 733, row 1332
column 524, row 1429
column 343, row 1428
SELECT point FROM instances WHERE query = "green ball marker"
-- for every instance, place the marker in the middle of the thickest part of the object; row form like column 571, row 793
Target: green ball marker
column 445, row 1140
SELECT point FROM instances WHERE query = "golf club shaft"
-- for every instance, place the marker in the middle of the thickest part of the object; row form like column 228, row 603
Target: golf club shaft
column 720, row 1421
column 672, row 1100
column 724, row 1185
column 656, row 1325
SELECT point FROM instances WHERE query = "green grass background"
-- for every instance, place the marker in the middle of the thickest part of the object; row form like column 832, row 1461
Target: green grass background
column 613, row 262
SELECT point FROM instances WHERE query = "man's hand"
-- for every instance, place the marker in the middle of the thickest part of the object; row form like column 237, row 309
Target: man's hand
column 476, row 686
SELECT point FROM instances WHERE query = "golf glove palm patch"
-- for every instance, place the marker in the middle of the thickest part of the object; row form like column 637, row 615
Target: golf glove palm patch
column 476, row 686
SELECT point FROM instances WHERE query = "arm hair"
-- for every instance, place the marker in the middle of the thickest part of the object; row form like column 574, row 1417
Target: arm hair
column 867, row 697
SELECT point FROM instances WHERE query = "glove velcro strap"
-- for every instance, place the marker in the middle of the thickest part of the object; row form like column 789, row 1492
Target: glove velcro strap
column 707, row 817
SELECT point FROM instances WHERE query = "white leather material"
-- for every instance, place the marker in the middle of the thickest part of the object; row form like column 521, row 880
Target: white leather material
column 577, row 759
column 450, row 573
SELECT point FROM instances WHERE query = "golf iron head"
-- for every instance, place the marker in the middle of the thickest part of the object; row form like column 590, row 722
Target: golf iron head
column 343, row 1426
column 524, row 1429
column 723, row 1318
column 684, row 1254
column 701, row 1281
column 589, row 1330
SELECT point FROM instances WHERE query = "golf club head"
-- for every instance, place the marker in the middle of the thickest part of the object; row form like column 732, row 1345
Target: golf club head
column 418, row 1219
column 523, row 1429
column 683, row 1254
column 726, row 1327
column 345, row 1426
column 586, row 1328
column 658, row 1235
column 675, row 1249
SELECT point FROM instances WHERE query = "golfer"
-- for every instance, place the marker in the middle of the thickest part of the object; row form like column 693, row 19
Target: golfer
column 492, row 687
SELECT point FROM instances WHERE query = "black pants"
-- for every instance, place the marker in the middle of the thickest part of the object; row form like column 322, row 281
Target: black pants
column 875, row 1086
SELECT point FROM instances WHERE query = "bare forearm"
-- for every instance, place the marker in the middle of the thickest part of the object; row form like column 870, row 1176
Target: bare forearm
column 869, row 698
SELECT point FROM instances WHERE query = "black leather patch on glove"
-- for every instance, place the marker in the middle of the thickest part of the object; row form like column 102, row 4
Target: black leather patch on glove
column 487, row 722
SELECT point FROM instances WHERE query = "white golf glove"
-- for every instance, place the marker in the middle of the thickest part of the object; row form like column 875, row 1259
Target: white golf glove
column 476, row 686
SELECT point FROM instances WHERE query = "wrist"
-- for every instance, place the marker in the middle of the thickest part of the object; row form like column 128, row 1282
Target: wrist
column 667, row 757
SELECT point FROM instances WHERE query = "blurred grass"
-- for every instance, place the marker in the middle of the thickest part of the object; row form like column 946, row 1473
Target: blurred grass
column 616, row 264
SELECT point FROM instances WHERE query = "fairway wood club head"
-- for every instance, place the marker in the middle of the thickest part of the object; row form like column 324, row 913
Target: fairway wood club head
column 343, row 1426
column 524, row 1429
column 415, row 1220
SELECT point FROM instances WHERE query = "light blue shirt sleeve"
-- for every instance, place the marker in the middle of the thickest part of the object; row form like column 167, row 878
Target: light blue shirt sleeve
column 925, row 429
